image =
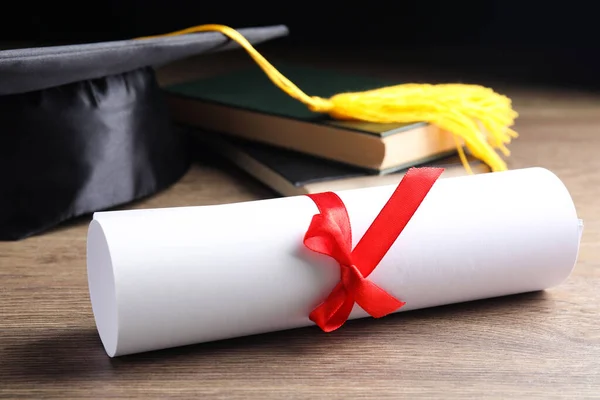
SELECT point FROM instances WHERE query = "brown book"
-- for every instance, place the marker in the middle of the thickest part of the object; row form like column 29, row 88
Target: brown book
column 248, row 105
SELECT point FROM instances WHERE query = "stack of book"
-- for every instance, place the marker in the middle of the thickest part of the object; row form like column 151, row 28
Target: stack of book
column 245, row 118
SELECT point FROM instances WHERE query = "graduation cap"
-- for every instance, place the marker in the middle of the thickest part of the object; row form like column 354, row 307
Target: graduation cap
column 85, row 127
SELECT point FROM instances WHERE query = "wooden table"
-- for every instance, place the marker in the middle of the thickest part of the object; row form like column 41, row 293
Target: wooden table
column 544, row 345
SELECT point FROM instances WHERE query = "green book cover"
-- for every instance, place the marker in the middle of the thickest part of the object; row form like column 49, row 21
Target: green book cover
column 251, row 89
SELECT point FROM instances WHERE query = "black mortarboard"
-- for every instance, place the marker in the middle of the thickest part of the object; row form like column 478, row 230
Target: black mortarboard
column 85, row 128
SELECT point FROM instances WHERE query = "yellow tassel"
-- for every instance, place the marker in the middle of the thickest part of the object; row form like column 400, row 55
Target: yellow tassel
column 477, row 116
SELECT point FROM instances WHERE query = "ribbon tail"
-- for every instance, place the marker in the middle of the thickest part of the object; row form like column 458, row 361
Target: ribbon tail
column 393, row 217
column 334, row 311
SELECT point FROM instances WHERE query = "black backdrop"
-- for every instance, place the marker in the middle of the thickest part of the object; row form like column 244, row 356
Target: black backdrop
column 537, row 41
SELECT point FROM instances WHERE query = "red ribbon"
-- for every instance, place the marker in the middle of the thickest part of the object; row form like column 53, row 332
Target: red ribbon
column 330, row 234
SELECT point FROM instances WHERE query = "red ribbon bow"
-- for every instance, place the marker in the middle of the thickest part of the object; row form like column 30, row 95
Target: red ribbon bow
column 330, row 234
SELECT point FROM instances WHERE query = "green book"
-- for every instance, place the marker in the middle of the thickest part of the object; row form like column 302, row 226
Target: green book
column 246, row 104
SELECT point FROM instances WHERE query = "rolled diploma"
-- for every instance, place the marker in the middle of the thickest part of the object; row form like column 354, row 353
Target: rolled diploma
column 161, row 278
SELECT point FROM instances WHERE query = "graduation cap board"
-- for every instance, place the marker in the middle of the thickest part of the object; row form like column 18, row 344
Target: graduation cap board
column 84, row 127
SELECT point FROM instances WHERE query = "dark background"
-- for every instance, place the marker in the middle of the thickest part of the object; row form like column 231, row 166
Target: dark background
column 532, row 41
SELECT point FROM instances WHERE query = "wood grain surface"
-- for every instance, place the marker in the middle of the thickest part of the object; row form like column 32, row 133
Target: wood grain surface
column 538, row 345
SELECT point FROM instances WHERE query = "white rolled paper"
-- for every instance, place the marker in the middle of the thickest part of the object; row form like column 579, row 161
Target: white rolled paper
column 162, row 278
